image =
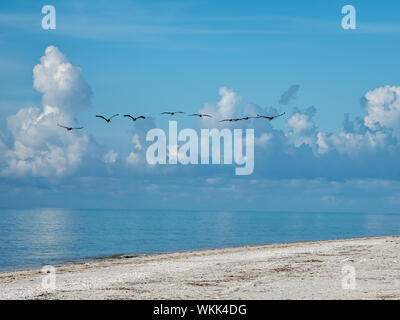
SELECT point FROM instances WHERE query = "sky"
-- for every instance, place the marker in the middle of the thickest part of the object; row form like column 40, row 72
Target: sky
column 337, row 147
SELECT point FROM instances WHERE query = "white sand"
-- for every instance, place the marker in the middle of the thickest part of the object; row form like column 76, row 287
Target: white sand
column 306, row 270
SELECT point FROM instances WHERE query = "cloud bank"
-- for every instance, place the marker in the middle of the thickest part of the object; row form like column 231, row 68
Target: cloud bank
column 362, row 155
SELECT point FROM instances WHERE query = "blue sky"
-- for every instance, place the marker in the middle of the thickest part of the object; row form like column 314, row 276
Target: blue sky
column 151, row 56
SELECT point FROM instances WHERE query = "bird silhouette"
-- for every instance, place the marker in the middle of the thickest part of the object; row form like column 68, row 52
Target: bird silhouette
column 133, row 118
column 270, row 117
column 171, row 113
column 69, row 128
column 107, row 120
column 200, row 115
column 230, row 120
column 247, row 118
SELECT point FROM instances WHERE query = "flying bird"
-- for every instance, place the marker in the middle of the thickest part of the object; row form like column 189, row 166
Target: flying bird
column 270, row 117
column 201, row 115
column 247, row 118
column 69, row 128
column 133, row 118
column 230, row 120
column 171, row 113
column 107, row 120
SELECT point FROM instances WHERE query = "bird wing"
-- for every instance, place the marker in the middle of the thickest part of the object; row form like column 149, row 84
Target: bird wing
column 115, row 115
column 98, row 116
column 129, row 116
column 78, row 128
column 179, row 112
column 207, row 115
column 166, row 112
column 62, row 126
column 141, row 117
column 194, row 114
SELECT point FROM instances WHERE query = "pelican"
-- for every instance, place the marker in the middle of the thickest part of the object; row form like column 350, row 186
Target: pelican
column 270, row 117
column 133, row 118
column 230, row 120
column 69, row 128
column 107, row 120
column 201, row 115
column 171, row 113
column 247, row 118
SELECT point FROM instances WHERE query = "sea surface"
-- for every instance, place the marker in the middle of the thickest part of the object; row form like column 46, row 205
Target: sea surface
column 33, row 238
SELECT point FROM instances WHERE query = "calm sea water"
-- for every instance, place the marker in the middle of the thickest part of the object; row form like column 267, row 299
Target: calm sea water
column 32, row 238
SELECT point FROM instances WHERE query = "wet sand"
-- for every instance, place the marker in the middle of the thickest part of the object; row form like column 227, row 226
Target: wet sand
column 365, row 268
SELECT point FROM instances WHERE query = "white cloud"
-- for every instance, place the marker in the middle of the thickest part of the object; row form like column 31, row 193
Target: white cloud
column 263, row 139
column 136, row 142
column 133, row 158
column 375, row 129
column 351, row 143
column 229, row 99
column 322, row 144
column 301, row 129
column 225, row 108
column 110, row 157
column 38, row 147
column 383, row 106
column 61, row 83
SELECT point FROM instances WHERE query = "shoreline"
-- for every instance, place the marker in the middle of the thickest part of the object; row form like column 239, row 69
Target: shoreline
column 120, row 256
column 294, row 270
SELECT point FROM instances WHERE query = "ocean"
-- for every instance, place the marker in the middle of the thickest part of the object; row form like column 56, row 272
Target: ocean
column 33, row 238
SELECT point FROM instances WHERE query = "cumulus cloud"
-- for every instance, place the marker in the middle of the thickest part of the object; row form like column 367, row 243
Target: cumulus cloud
column 61, row 83
column 39, row 147
column 229, row 99
column 363, row 148
column 354, row 143
column 225, row 108
column 263, row 139
column 110, row 157
column 139, row 131
column 301, row 128
column 379, row 130
column 36, row 145
column 136, row 142
column 383, row 106
column 289, row 94
column 133, row 158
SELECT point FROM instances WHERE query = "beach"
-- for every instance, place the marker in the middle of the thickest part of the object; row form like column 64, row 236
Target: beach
column 363, row 268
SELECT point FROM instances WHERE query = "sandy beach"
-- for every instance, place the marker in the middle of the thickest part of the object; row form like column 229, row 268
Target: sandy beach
column 366, row 268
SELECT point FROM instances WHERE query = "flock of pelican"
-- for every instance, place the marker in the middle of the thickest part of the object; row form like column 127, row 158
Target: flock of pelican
column 172, row 113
